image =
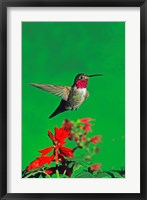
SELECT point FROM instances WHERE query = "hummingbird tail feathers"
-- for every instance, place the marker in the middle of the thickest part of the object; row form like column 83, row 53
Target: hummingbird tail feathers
column 61, row 108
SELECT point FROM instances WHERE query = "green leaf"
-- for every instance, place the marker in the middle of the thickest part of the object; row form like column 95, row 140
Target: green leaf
column 84, row 174
column 78, row 171
column 115, row 174
column 71, row 164
column 76, row 166
column 63, row 176
column 102, row 175
column 80, row 161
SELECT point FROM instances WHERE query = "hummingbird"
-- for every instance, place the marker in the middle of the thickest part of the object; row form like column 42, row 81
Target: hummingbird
column 72, row 97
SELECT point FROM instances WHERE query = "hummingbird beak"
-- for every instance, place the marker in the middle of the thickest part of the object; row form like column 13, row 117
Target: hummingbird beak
column 95, row 75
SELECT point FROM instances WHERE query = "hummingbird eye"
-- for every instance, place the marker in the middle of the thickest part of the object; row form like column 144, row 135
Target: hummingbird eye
column 81, row 77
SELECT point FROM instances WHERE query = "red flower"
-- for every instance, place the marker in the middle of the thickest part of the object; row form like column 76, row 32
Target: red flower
column 60, row 135
column 67, row 152
column 96, row 139
column 58, row 141
column 85, row 120
column 95, row 167
column 46, row 150
column 71, row 136
column 38, row 162
column 49, row 171
column 67, row 125
column 87, row 127
column 84, row 139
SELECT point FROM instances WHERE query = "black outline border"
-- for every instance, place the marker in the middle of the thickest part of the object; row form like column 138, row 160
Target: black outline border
column 4, row 4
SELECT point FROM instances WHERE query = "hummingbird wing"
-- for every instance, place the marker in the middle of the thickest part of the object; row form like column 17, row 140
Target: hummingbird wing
column 61, row 91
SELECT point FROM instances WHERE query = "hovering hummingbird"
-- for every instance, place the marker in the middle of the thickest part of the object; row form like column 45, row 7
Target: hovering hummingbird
column 72, row 97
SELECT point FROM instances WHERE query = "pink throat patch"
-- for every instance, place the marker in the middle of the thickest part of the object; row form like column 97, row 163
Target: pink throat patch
column 82, row 83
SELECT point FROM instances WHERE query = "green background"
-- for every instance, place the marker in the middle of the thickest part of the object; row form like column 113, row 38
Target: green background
column 53, row 53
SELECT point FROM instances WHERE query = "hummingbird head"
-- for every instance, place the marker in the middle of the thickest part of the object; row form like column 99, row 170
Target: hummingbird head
column 81, row 80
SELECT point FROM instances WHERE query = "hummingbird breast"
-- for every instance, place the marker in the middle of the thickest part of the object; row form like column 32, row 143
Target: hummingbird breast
column 75, row 98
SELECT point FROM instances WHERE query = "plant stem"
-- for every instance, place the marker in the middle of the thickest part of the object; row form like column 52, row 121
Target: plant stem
column 74, row 149
column 57, row 173
column 32, row 174
column 46, row 174
column 64, row 172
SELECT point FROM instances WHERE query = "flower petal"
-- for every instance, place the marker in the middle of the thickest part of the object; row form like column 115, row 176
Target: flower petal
column 51, row 136
column 49, row 171
column 46, row 150
column 96, row 139
column 87, row 127
column 46, row 159
column 61, row 134
column 66, row 151
column 95, row 167
column 34, row 164
column 38, row 162
column 67, row 125
column 85, row 120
